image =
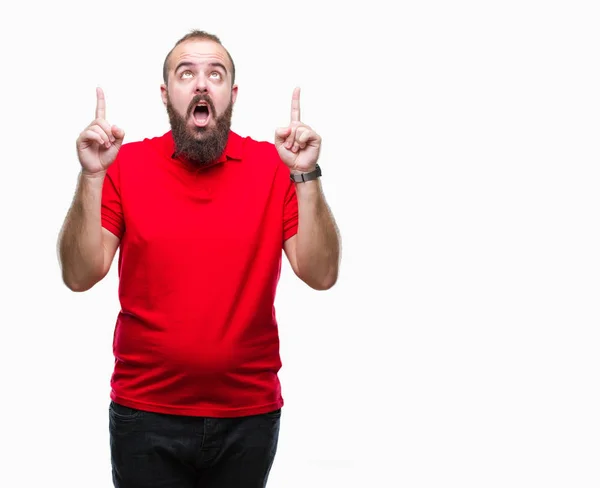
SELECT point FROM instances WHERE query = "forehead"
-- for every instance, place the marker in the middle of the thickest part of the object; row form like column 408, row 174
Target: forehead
column 199, row 51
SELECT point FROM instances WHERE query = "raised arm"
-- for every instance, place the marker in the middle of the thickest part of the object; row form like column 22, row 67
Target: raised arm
column 85, row 248
column 314, row 252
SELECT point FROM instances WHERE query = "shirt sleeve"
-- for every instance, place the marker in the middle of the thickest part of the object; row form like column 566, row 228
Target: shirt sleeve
column 290, row 212
column 112, row 210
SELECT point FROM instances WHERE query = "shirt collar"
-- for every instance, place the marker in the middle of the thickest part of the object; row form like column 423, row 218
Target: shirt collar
column 232, row 152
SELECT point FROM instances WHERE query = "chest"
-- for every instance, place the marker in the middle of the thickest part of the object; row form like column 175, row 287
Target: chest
column 209, row 212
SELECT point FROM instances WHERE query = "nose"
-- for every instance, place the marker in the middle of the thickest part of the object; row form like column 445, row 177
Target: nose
column 201, row 84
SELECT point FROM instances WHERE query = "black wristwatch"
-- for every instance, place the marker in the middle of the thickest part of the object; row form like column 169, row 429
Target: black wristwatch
column 302, row 177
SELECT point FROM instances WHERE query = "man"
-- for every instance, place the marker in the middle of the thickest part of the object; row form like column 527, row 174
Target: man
column 200, row 216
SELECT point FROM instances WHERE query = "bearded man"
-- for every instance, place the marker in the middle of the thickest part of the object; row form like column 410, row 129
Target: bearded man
column 201, row 218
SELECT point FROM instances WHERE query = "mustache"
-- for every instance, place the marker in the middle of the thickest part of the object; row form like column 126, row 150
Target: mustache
column 201, row 98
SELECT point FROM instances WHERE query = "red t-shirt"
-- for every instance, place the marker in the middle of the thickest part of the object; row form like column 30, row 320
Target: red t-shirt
column 199, row 262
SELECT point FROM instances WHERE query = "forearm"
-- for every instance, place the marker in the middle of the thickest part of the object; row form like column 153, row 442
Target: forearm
column 80, row 248
column 317, row 241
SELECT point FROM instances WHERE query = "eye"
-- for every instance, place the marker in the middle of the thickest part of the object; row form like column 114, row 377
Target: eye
column 216, row 75
column 186, row 74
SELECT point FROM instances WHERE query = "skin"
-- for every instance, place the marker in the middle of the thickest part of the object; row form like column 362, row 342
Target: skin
column 199, row 67
column 86, row 249
column 196, row 67
column 314, row 252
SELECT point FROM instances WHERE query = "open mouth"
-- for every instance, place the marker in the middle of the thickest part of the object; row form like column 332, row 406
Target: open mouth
column 201, row 114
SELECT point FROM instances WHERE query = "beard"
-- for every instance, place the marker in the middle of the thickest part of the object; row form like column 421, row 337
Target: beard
column 200, row 145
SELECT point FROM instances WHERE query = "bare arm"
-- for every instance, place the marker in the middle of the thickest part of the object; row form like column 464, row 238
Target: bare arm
column 314, row 252
column 85, row 248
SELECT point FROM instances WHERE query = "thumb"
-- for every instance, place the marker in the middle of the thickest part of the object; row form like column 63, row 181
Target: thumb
column 119, row 135
column 281, row 134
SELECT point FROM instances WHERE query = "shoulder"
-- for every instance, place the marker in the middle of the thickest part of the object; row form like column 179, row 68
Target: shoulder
column 157, row 145
column 142, row 152
column 261, row 152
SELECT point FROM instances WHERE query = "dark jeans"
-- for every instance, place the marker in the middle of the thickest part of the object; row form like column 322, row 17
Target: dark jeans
column 150, row 450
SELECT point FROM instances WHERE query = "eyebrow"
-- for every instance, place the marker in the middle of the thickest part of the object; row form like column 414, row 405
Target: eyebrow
column 189, row 63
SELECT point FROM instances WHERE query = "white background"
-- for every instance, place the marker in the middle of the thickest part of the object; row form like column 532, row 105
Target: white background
column 460, row 158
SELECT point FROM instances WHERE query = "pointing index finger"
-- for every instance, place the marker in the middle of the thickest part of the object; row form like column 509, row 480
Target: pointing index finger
column 100, row 104
column 296, row 105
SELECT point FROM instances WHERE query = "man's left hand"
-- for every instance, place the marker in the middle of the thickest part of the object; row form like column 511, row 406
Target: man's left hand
column 298, row 145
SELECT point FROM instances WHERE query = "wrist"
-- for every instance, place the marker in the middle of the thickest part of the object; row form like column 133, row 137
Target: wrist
column 91, row 182
column 304, row 176
column 308, row 170
column 97, row 176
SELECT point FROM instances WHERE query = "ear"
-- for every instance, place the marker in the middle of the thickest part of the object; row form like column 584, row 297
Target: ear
column 234, row 92
column 163, row 93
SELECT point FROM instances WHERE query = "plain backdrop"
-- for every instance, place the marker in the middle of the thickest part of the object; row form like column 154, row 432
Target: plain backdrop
column 461, row 161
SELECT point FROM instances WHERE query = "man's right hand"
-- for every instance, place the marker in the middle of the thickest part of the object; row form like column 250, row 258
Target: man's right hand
column 99, row 144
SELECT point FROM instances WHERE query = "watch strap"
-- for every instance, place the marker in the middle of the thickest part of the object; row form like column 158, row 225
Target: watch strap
column 302, row 177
